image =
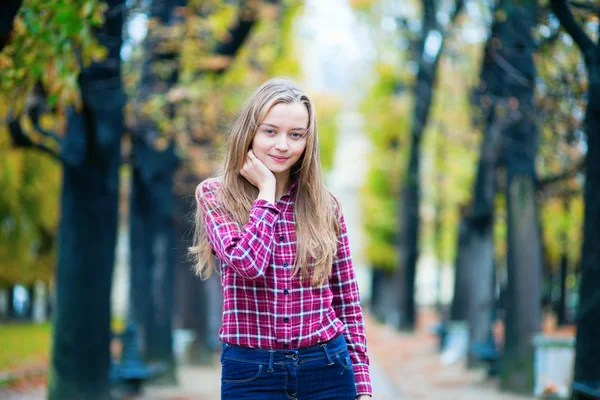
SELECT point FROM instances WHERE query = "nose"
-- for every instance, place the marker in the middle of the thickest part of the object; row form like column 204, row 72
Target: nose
column 282, row 143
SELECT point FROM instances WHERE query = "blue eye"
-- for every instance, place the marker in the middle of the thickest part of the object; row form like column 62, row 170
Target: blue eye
column 269, row 131
column 297, row 135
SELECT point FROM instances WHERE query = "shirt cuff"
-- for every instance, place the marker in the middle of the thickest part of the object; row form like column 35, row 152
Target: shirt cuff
column 363, row 380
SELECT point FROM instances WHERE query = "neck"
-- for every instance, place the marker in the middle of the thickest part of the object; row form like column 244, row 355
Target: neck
column 282, row 184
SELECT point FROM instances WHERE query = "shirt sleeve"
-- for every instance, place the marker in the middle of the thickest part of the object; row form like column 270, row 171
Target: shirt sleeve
column 346, row 303
column 247, row 249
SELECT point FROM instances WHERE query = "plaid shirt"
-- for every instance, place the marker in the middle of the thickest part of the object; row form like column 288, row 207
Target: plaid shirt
column 265, row 306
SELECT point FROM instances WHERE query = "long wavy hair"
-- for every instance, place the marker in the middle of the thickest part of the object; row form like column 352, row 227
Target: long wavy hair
column 317, row 221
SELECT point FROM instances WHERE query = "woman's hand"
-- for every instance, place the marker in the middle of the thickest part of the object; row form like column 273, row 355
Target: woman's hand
column 363, row 397
column 257, row 173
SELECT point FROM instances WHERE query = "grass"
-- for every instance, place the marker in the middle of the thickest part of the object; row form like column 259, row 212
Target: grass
column 24, row 344
column 27, row 344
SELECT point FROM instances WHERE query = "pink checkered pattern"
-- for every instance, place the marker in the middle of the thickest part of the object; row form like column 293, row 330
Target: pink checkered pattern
column 265, row 306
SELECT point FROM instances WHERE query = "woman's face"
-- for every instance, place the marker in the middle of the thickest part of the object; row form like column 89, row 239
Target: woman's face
column 281, row 138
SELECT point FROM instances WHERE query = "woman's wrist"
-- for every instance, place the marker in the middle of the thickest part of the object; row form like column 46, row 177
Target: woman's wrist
column 267, row 192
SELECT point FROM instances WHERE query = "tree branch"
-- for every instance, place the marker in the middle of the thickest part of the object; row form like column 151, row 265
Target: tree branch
column 546, row 181
column 34, row 114
column 585, row 6
column 20, row 139
column 224, row 52
column 6, row 20
column 567, row 20
column 458, row 6
column 564, row 193
column 509, row 69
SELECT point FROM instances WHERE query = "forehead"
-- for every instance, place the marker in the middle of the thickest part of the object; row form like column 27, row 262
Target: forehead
column 288, row 115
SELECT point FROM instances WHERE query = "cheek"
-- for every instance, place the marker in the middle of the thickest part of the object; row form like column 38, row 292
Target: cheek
column 255, row 145
column 300, row 148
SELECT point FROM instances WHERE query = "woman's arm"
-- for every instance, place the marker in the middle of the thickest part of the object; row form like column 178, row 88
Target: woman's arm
column 246, row 249
column 346, row 303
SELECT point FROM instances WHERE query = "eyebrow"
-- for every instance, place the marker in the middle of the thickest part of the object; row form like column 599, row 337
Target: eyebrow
column 276, row 127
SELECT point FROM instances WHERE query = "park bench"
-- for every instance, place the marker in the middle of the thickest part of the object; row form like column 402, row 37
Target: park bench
column 487, row 352
column 131, row 372
column 440, row 330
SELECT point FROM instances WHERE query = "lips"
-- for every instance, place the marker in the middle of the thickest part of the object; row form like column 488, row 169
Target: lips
column 279, row 159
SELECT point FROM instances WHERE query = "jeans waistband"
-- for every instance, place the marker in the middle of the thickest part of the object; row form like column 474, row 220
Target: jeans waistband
column 326, row 350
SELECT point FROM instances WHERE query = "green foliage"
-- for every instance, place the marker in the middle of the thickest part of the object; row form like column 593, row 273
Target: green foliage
column 450, row 150
column 327, row 108
column 30, row 185
column 362, row 5
column 24, row 345
column 562, row 84
column 562, row 220
column 385, row 113
column 449, row 155
column 51, row 38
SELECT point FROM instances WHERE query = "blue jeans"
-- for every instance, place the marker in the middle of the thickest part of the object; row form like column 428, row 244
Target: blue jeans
column 313, row 373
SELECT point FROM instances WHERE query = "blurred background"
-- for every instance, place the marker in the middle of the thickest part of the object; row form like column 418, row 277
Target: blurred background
column 461, row 136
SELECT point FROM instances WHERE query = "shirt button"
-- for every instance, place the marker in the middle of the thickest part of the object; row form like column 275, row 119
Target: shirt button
column 286, row 291
column 281, row 238
column 285, row 264
column 286, row 319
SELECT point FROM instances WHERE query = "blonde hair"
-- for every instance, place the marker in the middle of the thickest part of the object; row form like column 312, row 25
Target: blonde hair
column 316, row 210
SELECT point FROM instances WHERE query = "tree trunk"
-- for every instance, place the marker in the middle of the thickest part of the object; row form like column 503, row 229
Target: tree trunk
column 384, row 296
column 4, row 306
column 411, row 221
column 153, row 254
column 479, row 260
column 11, row 312
column 438, row 225
column 192, row 315
column 460, row 300
column 523, row 308
column 152, row 242
column 587, row 351
column 476, row 251
column 478, row 257
column 428, row 58
column 411, row 193
column 561, row 308
column 587, row 361
column 28, row 311
column 88, row 228
column 524, row 258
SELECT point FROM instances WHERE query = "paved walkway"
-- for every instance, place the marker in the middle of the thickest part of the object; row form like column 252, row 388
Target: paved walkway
column 412, row 362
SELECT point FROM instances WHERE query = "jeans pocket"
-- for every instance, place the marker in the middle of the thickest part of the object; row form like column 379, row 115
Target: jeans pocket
column 344, row 361
column 234, row 371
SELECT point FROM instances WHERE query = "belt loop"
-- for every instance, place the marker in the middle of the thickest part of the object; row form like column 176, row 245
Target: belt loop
column 329, row 360
column 271, row 370
column 224, row 348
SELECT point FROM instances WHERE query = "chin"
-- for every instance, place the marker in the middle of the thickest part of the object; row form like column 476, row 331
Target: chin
column 278, row 170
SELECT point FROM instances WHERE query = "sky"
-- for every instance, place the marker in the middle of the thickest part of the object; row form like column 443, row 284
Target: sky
column 336, row 47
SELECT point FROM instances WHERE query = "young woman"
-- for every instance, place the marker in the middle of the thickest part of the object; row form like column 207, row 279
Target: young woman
column 292, row 321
